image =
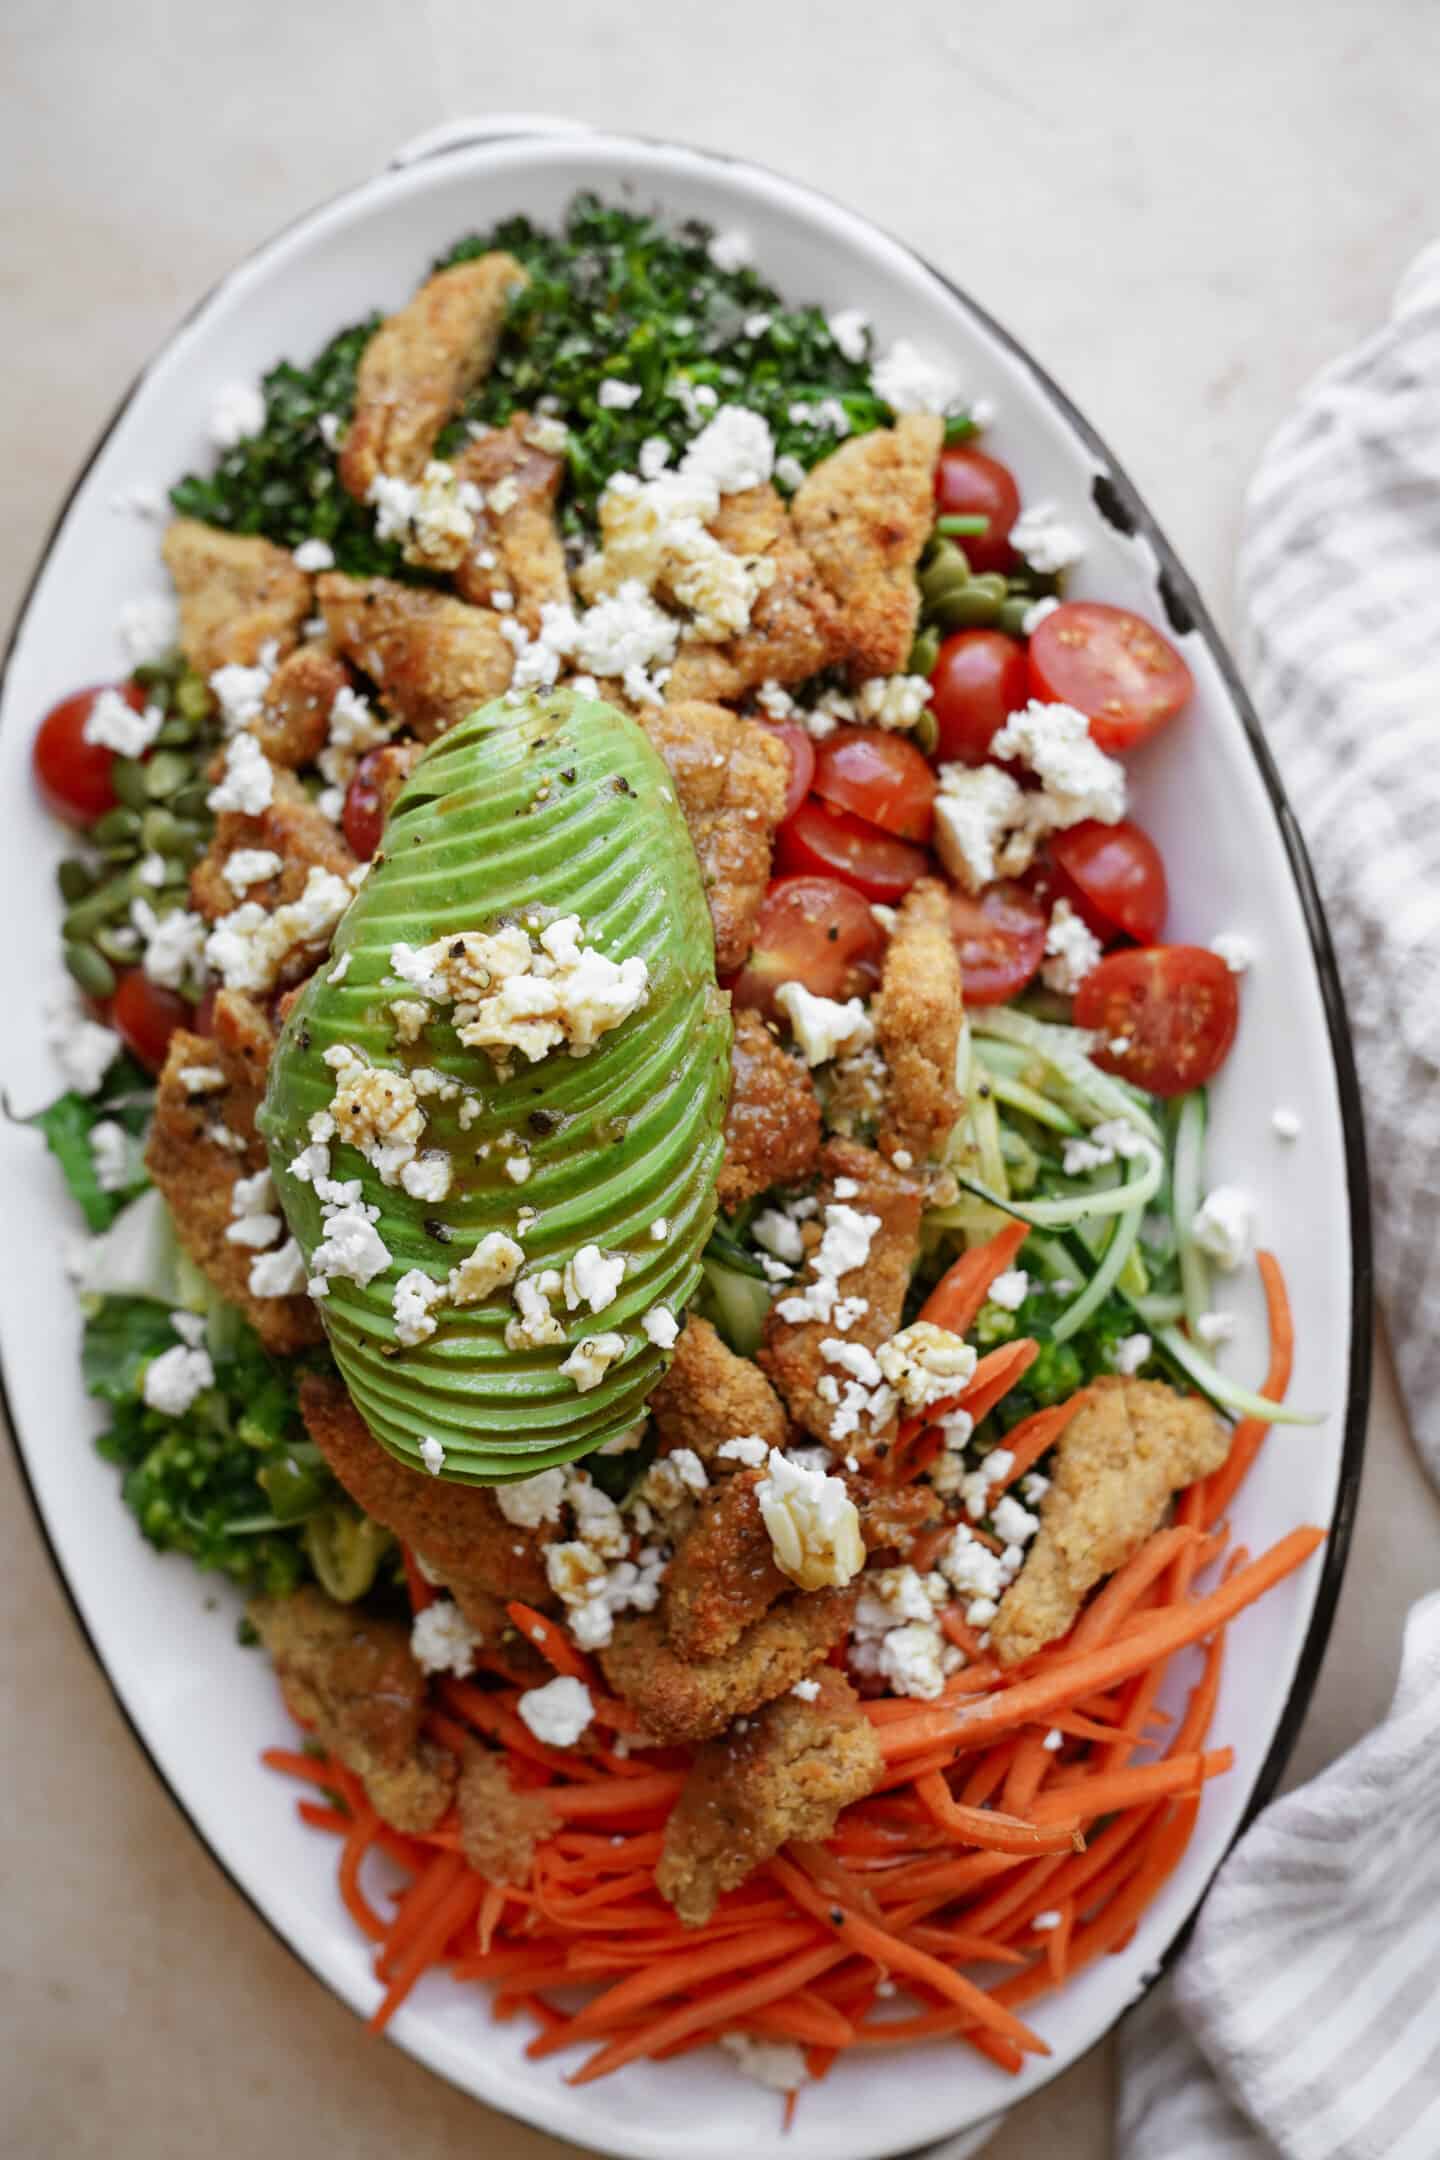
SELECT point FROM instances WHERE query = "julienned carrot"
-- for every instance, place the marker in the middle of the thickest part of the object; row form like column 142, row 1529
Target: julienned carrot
column 718, row 2011
column 629, row 1796
column 421, row 1592
column 988, row 1829
column 668, row 1976
column 994, row 1376
column 1110, row 1605
column 551, row 1641
column 1222, row 1485
column 956, row 1299
column 1033, row 1437
column 447, row 1918
column 1106, row 1793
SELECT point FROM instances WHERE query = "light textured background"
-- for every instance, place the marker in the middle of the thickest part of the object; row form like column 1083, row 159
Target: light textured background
column 1185, row 210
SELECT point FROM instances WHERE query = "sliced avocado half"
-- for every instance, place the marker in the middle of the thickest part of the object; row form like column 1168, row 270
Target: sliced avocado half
column 553, row 806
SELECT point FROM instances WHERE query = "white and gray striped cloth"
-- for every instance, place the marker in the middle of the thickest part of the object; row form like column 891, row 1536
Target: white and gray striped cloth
column 1304, row 2019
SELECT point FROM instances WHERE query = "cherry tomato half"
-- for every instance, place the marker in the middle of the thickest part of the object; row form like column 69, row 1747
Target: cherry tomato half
column 1111, row 665
column 821, row 842
column 362, row 820
column 812, row 930
column 1113, row 877
column 74, row 775
column 974, row 485
column 1174, row 1007
column 882, row 777
column 1000, row 937
column 979, row 679
column 802, row 762
column 146, row 1016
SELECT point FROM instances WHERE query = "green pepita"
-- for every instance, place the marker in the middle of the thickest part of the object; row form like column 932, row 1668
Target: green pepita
column 91, row 970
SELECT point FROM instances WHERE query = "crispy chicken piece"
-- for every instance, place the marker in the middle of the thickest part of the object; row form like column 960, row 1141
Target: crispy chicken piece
column 1130, row 1446
column 680, row 1700
column 352, row 1679
column 730, row 776
column 772, row 1120
column 791, row 1351
column 918, row 1017
column 893, row 1516
column 237, row 594
column 432, row 657
column 459, row 1530
column 289, row 826
column 795, row 626
column 864, row 514
column 500, row 1828
column 201, row 1144
column 294, row 718
column 420, row 365
column 521, row 539
column 710, row 1395
column 787, row 1775
column 723, row 1576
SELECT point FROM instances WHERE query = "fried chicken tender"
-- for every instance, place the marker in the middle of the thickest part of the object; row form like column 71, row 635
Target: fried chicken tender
column 864, row 513
column 1130, row 1446
column 526, row 556
column 353, row 1680
column 500, row 1828
column 788, row 1775
column 791, row 1350
column 723, row 1576
column 432, row 657
column 289, row 826
column 294, row 718
column 918, row 1016
column 709, row 1396
column 795, row 626
column 730, row 777
column 237, row 594
column 458, row 1530
column 420, row 365
column 197, row 1169
column 680, row 1699
column 772, row 1120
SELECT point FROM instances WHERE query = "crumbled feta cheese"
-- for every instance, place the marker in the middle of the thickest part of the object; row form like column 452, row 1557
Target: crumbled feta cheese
column 979, row 812
column 352, row 728
column 910, row 381
column 442, row 1639
column 973, row 1569
column 617, row 396
column 1054, row 1740
column 661, row 1326
column 746, row 1448
column 511, row 995
column 413, row 1305
column 789, row 472
column 734, row 452
column 429, row 1176
column 534, row 1325
column 149, row 627
column 779, row 1234
column 1215, row 1328
column 897, row 1636
column 925, row 1364
column 1073, row 949
column 1078, row 780
column 248, row 784
column 244, row 867
column 1037, row 613
column 533, row 1500
column 239, row 691
column 813, row 1523
column 593, row 1278
column 376, row 1111
column 1014, row 1524
column 279, row 1273
column 850, row 328
column 558, row 1712
column 432, row 1454
column 1131, row 1353
column 1224, row 1226
column 175, row 1378
column 731, row 250
column 1010, row 1290
column 256, row 1231
column 823, row 1027
column 248, row 947
column 351, row 1247
column 1045, row 1922
column 174, row 944
column 1047, row 543
column 779, row 2065
column 806, row 1689
column 591, row 1359
column 892, row 701
column 83, row 1049
column 111, row 1152
column 492, row 1266
column 1235, row 949
column 113, row 723
column 314, row 554
column 1285, row 1123
column 975, row 1485
column 237, row 412
column 1078, row 1157
column 673, row 1480
column 844, row 1247
column 432, row 518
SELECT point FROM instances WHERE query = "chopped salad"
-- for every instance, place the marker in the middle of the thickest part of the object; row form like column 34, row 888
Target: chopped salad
column 643, row 1153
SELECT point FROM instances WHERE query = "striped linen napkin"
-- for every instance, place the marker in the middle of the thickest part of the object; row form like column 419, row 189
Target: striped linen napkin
column 1304, row 2019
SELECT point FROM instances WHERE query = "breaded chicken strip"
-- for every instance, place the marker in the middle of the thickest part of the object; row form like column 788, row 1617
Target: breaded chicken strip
column 730, row 778
column 517, row 549
column 458, row 1530
column 795, row 627
column 352, row 1679
column 237, row 594
column 772, row 1120
column 787, row 1775
column 432, row 658
column 723, row 1576
column 680, row 1700
column 709, row 1396
column 864, row 514
column 294, row 718
column 810, row 1384
column 918, row 1016
column 421, row 364
column 1130, row 1446
column 289, row 826
column 500, row 1828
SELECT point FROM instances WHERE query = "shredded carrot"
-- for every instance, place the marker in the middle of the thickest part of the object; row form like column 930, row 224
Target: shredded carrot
column 551, row 1641
column 956, row 1299
column 1221, row 1486
column 1033, row 1437
column 919, row 1440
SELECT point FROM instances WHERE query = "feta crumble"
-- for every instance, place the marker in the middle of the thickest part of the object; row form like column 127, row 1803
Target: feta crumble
column 1224, row 1227
column 1235, row 949
column 175, row 1378
column 1045, row 540
column 910, row 381
column 558, row 1712
column 1131, row 1352
column 1074, row 950
column 823, row 1027
column 591, row 1359
column 238, row 411
column 113, row 723
column 442, row 1639
column 432, row 1455
column 813, row 1523
column 510, row 994
column 248, row 782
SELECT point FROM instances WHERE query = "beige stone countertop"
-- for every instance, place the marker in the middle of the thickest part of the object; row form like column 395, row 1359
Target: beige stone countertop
column 1184, row 211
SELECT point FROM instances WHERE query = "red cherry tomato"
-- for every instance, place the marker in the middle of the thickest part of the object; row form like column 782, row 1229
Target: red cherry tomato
column 802, row 762
column 1113, row 877
column 821, row 842
column 974, row 485
column 146, row 1016
column 362, row 820
column 979, row 679
column 1174, row 1007
column 812, row 930
column 1000, row 937
column 881, row 777
column 1111, row 665
column 74, row 775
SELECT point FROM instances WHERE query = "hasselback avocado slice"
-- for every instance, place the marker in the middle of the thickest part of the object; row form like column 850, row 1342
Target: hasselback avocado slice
column 553, row 807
